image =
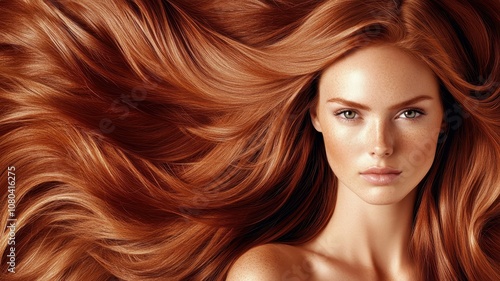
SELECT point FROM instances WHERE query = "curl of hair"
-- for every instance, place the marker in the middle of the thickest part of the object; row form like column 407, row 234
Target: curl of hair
column 160, row 140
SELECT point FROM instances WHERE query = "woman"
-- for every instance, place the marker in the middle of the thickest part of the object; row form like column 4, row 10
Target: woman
column 379, row 112
column 169, row 141
column 374, row 221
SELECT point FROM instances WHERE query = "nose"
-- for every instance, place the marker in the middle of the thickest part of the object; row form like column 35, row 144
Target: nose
column 382, row 140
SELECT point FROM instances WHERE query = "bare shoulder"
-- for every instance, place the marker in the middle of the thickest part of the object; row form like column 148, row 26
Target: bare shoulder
column 263, row 263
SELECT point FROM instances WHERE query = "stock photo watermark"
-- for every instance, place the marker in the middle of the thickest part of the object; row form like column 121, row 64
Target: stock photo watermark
column 123, row 105
column 11, row 220
column 298, row 272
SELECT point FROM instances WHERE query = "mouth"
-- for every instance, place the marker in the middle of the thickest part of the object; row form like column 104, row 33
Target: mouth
column 380, row 175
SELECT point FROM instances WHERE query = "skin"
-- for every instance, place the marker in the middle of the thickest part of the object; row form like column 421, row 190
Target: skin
column 377, row 107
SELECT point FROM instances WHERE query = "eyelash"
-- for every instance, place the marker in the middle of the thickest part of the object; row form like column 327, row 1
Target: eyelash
column 419, row 112
column 343, row 111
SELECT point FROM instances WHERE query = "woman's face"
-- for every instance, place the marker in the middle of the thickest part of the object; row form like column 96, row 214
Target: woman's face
column 380, row 114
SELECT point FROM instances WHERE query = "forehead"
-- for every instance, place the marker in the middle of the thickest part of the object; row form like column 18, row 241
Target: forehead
column 378, row 71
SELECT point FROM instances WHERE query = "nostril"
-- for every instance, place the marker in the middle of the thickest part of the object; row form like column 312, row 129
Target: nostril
column 381, row 151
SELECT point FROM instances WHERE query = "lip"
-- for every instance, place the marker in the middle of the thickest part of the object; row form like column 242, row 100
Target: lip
column 380, row 175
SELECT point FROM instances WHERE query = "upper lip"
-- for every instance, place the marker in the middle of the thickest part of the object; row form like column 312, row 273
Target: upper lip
column 381, row 170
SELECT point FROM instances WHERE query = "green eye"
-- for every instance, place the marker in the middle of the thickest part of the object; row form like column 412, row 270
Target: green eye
column 411, row 114
column 349, row 114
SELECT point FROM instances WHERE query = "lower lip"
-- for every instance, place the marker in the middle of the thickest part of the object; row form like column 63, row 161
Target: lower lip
column 380, row 179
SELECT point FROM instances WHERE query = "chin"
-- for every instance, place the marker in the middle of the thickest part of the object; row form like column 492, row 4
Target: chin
column 384, row 195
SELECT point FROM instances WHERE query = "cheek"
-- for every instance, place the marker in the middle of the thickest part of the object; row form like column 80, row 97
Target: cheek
column 418, row 148
column 342, row 148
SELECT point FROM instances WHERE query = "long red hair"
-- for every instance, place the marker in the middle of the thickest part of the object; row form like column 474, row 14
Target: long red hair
column 160, row 140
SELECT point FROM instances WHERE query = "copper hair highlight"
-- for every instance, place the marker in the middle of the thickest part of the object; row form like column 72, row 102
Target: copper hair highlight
column 160, row 140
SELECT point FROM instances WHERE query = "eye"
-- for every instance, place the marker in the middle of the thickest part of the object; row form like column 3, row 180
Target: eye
column 411, row 113
column 347, row 114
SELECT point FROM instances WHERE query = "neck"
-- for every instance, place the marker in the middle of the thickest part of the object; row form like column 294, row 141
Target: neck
column 371, row 236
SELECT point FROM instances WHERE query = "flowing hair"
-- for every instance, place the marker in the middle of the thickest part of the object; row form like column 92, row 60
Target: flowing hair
column 160, row 140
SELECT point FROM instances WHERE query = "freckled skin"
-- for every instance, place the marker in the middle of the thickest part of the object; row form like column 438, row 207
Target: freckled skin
column 364, row 114
column 379, row 77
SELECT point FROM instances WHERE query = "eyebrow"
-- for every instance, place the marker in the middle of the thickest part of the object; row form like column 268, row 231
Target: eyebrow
column 365, row 107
